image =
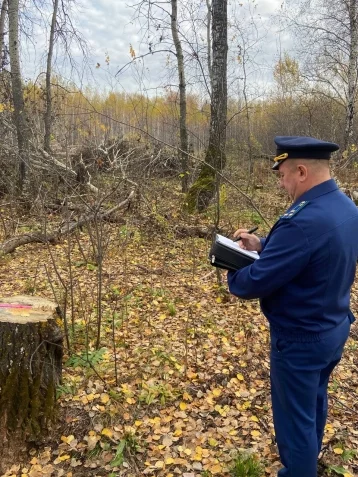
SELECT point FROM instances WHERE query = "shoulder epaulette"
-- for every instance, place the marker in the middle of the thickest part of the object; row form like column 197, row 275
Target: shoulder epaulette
column 295, row 210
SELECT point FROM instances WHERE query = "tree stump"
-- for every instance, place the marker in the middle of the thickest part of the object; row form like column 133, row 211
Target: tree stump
column 30, row 370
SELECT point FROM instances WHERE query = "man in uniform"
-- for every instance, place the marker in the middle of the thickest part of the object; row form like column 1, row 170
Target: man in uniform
column 303, row 279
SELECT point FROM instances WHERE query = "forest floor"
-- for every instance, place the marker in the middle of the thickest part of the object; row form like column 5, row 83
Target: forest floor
column 180, row 382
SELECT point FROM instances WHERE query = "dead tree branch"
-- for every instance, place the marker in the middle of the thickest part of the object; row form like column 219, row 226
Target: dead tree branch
column 52, row 237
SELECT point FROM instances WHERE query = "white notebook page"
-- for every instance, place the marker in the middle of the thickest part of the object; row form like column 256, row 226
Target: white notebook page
column 235, row 246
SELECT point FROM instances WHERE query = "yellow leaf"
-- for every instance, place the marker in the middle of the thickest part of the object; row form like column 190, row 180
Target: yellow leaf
column 216, row 469
column 131, row 51
column 255, row 433
column 199, row 450
column 169, row 461
column 240, row 377
column 216, row 392
column 159, row 464
column 191, row 375
column 338, row 450
column 138, row 423
column 107, row 432
column 254, row 418
column 212, row 442
column 183, row 406
column 219, row 299
column 64, row 457
column 104, row 398
column 67, row 439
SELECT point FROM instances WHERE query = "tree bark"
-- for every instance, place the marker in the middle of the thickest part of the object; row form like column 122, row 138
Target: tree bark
column 203, row 190
column 208, row 39
column 30, row 371
column 17, row 93
column 351, row 77
column 2, row 33
column 184, row 162
column 48, row 112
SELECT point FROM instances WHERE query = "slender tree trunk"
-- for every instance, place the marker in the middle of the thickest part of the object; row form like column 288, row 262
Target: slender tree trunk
column 2, row 32
column 19, row 107
column 352, row 78
column 184, row 162
column 208, row 39
column 48, row 113
column 248, row 124
column 203, row 190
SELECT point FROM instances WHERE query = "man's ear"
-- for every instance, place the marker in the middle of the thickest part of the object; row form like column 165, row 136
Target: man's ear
column 302, row 169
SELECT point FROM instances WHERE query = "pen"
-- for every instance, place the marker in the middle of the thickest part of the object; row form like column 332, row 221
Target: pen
column 251, row 231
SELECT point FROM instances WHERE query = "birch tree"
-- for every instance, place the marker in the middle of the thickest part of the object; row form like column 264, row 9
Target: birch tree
column 182, row 97
column 2, row 32
column 161, row 17
column 328, row 45
column 48, row 112
column 203, row 190
column 20, row 116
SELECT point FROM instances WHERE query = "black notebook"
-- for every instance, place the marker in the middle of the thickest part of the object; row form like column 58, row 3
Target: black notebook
column 227, row 254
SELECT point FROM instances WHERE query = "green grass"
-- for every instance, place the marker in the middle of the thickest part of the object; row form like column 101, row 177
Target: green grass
column 245, row 465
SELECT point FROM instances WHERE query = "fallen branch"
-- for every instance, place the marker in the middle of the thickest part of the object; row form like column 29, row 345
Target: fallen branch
column 50, row 160
column 14, row 242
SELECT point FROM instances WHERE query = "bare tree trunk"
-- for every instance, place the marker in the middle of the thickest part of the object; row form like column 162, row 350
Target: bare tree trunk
column 182, row 98
column 248, row 122
column 208, row 37
column 352, row 77
column 19, row 107
column 2, row 32
column 203, row 190
column 47, row 118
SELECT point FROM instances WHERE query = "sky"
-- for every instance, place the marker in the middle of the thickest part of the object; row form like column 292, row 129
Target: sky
column 109, row 28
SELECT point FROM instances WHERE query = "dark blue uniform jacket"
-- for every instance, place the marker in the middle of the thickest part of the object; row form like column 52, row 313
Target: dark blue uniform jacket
column 307, row 265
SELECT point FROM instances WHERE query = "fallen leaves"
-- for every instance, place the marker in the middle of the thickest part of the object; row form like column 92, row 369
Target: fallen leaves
column 192, row 375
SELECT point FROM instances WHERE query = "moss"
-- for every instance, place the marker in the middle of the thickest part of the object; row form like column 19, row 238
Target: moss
column 49, row 403
column 204, row 186
column 27, row 399
column 23, row 397
column 34, row 421
column 9, row 396
column 203, row 189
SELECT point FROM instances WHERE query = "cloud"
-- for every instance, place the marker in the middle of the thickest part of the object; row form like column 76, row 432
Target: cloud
column 109, row 27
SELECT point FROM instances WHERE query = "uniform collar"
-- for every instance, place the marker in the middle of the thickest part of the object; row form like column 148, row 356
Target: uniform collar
column 318, row 190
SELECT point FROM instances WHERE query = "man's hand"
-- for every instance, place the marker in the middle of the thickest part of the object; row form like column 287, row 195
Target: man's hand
column 248, row 241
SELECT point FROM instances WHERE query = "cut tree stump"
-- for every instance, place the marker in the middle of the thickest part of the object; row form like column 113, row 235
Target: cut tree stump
column 30, row 369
